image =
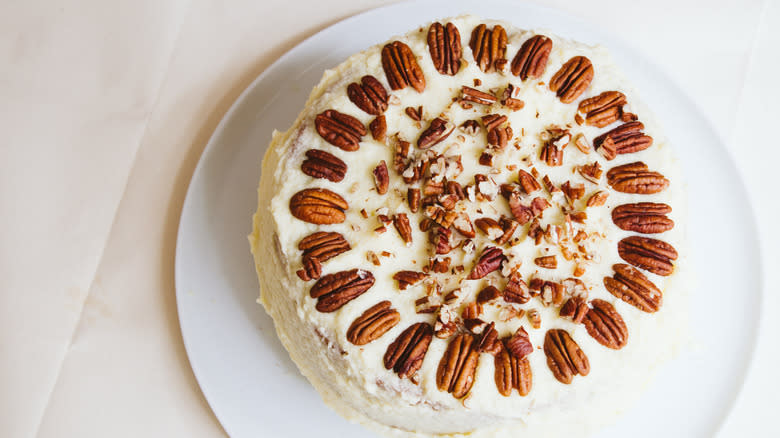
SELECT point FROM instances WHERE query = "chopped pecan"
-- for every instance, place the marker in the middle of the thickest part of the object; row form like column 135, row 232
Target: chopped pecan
column 591, row 172
column 633, row 287
column 605, row 325
column 635, row 178
column 321, row 164
column 381, row 178
column 378, row 128
column 519, row 345
column 564, row 357
column 339, row 129
column 318, row 206
column 499, row 136
column 440, row 238
column 405, row 355
column 441, row 216
column 552, row 293
column 438, row 130
column 445, row 48
column 490, row 227
column 486, row 159
column 413, row 198
column 488, row 294
column 597, row 199
column 528, row 182
column 572, row 79
column 490, row 260
column 373, row 323
column 573, row 192
column 458, row 365
column 643, row 217
column 508, row 226
column 401, row 154
column 408, row 278
column 488, row 47
column 401, row 223
column 512, row 372
column 603, row 109
column 401, row 67
column 548, row 262
column 464, row 226
column 335, row 290
column 650, row 254
column 552, row 153
column 492, row 121
column 625, row 139
column 531, row 59
column 312, row 269
column 520, row 211
column 488, row 341
column 534, row 318
column 440, row 265
column 369, row 95
column 323, row 245
column 415, row 114
column 516, row 290
column 470, row 127
column 473, row 95
column 512, row 99
column 575, row 308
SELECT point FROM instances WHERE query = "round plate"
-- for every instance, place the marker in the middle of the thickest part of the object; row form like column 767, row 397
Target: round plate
column 248, row 378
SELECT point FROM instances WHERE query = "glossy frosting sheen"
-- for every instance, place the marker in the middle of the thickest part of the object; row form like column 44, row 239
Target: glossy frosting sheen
column 352, row 379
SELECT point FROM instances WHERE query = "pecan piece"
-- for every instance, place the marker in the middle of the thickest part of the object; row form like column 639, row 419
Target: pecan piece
column 319, row 247
column 643, row 217
column 381, row 178
column 635, row 178
column 488, row 294
column 572, row 79
column 603, row 109
column 490, row 260
column 436, row 133
column 492, row 121
column 378, row 128
column 445, row 48
column 473, row 95
column 633, row 287
column 531, row 59
column 597, row 199
column 488, row 341
column 625, row 139
column 373, row 323
column 413, row 198
column 401, row 67
column 488, row 47
column 528, row 182
column 606, row 325
column 458, row 365
column 318, row 206
column 575, row 308
column 547, row 262
column 401, row 223
column 519, row 345
column 512, row 372
column 564, row 357
column 405, row 355
column 650, row 254
column 335, row 290
column 312, row 269
column 339, row 129
column 408, row 278
column 499, row 136
column 516, row 290
column 321, row 164
column 369, row 95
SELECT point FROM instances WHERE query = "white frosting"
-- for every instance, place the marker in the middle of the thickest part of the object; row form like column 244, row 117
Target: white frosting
column 352, row 379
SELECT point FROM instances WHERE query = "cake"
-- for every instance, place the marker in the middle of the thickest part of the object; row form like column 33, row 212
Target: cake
column 473, row 229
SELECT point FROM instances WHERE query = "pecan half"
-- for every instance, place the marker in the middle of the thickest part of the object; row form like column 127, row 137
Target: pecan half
column 437, row 132
column 650, row 254
column 643, row 217
column 512, row 372
column 312, row 269
column 605, row 325
column 321, row 164
column 401, row 67
column 339, row 129
column 323, row 245
column 335, row 290
column 369, row 95
column 378, row 128
column 458, row 365
column 373, row 323
column 408, row 278
column 531, row 59
column 445, row 48
column 381, row 178
column 572, row 79
column 564, row 357
column 488, row 46
column 318, row 206
column 635, row 178
column 625, row 139
column 405, row 355
column 634, row 288
column 401, row 223
column 603, row 109
column 490, row 260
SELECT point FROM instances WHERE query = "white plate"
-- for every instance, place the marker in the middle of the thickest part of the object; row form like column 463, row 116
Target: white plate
column 246, row 375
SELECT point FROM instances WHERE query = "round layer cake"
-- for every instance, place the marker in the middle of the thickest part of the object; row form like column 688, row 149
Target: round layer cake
column 473, row 229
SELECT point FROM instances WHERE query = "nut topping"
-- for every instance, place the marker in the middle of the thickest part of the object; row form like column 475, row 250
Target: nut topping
column 339, row 129
column 651, row 254
column 643, row 217
column 445, row 48
column 548, row 262
column 319, row 247
column 318, row 206
column 335, row 290
column 635, row 178
column 381, row 178
column 603, row 109
column 405, row 355
column 488, row 47
column 473, row 95
column 489, row 261
column 512, row 372
column 401, row 67
column 575, row 308
column 519, row 345
column 378, row 128
column 458, row 365
column 625, row 139
column 528, row 183
column 401, row 223
column 633, row 287
column 564, row 357
column 605, row 325
column 572, row 79
column 369, row 95
column 408, row 278
column 437, row 132
column 373, row 323
column 321, row 164
column 531, row 59
column 516, row 290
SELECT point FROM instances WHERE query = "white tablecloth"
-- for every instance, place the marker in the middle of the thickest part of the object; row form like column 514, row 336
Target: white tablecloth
column 105, row 108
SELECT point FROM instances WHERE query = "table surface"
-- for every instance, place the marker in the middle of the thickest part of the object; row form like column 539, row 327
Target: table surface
column 105, row 108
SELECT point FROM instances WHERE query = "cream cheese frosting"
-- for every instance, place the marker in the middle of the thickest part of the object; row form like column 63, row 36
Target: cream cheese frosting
column 353, row 379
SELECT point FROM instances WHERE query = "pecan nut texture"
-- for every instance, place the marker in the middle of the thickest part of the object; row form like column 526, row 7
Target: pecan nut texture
column 317, row 248
column 634, row 288
column 575, row 308
column 333, row 291
column 401, row 223
column 636, row 178
column 531, row 59
column 625, row 139
column 405, row 355
column 458, row 365
column 369, row 95
column 603, row 109
column 572, row 79
column 318, row 206
column 321, row 164
column 437, row 132
column 373, row 323
column 381, row 178
column 408, row 278
column 564, row 357
column 605, row 325
column 649, row 254
column 488, row 47
column 378, row 128
column 444, row 45
column 401, row 67
column 643, row 217
column 519, row 344
column 490, row 260
column 340, row 130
